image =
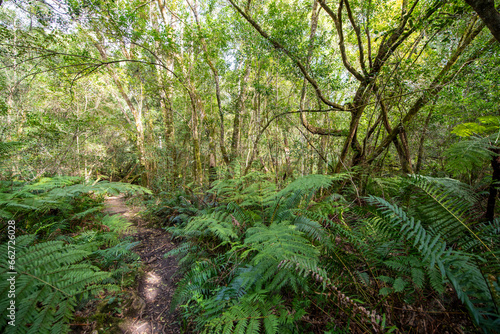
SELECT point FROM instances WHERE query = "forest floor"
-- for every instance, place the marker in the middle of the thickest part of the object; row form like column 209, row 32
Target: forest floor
column 149, row 311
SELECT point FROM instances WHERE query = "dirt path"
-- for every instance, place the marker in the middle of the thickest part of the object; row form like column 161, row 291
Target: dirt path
column 151, row 302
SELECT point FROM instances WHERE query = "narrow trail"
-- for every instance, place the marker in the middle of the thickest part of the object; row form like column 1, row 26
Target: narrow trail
column 150, row 304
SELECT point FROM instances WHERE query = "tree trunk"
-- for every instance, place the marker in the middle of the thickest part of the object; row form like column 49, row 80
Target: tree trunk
column 492, row 198
column 212, row 164
column 322, row 149
column 197, row 166
column 439, row 82
column 240, row 107
column 136, row 112
column 406, row 163
column 288, row 165
column 488, row 13
column 420, row 156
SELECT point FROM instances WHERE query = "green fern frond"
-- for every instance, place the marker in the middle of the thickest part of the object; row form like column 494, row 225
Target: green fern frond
column 215, row 224
column 467, row 155
column 448, row 213
column 251, row 315
column 116, row 223
column 118, row 252
column 279, row 242
column 312, row 183
column 10, row 148
column 311, row 228
column 83, row 214
column 50, row 276
column 442, row 262
column 240, row 214
column 200, row 280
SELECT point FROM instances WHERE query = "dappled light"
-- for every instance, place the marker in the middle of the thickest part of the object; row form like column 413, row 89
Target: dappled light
column 152, row 280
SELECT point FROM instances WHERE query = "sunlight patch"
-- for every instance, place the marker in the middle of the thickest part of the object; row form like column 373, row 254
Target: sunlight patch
column 151, row 289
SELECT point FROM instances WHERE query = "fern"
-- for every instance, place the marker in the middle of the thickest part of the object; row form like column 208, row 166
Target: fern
column 311, row 183
column 116, row 223
column 251, row 190
column 216, row 224
column 50, row 279
column 468, row 155
column 279, row 241
column 56, row 202
column 252, row 315
column 455, row 267
column 445, row 210
column 311, row 228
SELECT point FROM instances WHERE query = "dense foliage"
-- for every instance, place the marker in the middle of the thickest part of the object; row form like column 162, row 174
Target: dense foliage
column 65, row 251
column 327, row 167
column 285, row 262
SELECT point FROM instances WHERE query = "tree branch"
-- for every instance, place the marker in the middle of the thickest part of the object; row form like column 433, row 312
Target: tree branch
column 297, row 62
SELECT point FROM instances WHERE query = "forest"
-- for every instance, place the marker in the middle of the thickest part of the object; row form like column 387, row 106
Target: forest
column 294, row 166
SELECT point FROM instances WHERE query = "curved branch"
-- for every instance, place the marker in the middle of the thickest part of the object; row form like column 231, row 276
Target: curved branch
column 337, row 19
column 439, row 82
column 489, row 14
column 340, row 133
column 358, row 37
column 313, row 129
column 297, row 62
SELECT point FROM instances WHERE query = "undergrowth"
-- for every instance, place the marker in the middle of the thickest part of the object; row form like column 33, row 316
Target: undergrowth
column 305, row 259
column 66, row 251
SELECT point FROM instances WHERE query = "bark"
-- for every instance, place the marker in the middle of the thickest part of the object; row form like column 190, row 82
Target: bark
column 492, row 198
column 322, row 149
column 165, row 83
column 215, row 74
column 165, row 89
column 136, row 112
column 439, row 82
column 489, row 14
column 420, row 156
column 257, row 120
column 399, row 149
column 406, row 164
column 166, row 107
column 351, row 141
column 288, row 163
column 495, row 182
column 212, row 164
column 263, row 164
column 240, row 108
column 197, row 166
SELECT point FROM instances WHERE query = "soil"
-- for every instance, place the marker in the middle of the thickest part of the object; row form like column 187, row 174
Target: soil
column 148, row 307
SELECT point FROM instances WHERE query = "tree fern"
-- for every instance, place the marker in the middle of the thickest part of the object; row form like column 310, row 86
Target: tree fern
column 311, row 183
column 50, row 277
column 311, row 228
column 467, row 155
column 199, row 280
column 251, row 190
column 279, row 241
